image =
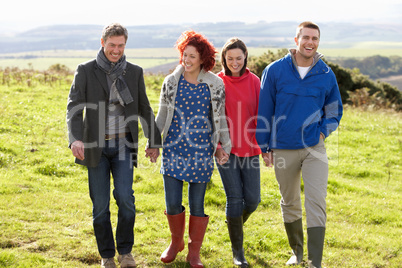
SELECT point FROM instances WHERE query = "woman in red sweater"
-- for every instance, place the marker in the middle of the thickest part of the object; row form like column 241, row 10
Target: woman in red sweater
column 241, row 174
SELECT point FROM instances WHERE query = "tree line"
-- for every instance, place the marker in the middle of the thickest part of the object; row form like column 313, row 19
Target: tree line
column 355, row 87
column 375, row 66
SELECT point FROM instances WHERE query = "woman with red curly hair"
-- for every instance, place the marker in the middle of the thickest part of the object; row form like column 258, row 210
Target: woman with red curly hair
column 192, row 119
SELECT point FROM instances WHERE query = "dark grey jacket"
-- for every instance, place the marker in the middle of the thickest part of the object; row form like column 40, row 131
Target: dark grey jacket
column 87, row 110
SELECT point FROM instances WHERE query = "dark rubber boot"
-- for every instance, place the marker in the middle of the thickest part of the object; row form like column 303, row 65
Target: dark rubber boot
column 246, row 215
column 315, row 246
column 294, row 230
column 235, row 227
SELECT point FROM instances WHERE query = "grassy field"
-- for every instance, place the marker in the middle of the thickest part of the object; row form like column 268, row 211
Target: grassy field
column 151, row 57
column 46, row 210
column 72, row 63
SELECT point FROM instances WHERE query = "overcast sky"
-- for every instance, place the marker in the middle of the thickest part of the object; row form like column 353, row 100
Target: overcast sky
column 22, row 15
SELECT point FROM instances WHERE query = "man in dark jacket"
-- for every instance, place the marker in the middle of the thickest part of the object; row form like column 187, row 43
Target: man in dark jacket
column 106, row 99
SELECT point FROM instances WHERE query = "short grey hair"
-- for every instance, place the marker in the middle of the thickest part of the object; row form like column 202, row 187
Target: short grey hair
column 114, row 29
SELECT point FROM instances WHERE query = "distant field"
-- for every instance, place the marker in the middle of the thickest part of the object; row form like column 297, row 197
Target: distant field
column 358, row 52
column 130, row 53
column 151, row 57
column 44, row 63
column 395, row 80
column 42, row 60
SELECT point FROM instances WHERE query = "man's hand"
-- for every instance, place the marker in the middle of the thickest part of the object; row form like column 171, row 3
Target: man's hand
column 77, row 148
column 221, row 156
column 153, row 154
column 268, row 159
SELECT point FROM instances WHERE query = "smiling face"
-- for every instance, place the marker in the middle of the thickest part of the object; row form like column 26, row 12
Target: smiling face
column 307, row 44
column 191, row 60
column 113, row 47
column 235, row 60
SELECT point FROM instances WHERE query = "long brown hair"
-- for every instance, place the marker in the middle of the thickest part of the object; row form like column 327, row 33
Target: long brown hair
column 233, row 43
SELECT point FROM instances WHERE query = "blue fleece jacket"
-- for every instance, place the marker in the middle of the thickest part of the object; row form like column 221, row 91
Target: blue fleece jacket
column 294, row 111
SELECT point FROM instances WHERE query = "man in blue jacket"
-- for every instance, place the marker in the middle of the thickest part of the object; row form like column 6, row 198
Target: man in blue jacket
column 300, row 105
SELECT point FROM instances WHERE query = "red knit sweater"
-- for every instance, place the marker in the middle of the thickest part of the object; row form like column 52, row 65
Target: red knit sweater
column 241, row 105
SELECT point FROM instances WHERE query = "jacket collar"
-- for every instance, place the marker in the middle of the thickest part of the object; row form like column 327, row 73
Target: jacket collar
column 316, row 57
column 202, row 76
column 235, row 79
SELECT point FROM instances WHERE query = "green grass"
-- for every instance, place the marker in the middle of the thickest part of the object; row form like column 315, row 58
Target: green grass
column 46, row 210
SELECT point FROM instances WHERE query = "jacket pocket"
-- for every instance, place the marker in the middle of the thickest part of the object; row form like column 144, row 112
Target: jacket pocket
column 302, row 91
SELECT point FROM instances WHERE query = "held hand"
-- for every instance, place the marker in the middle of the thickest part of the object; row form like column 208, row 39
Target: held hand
column 153, row 154
column 77, row 148
column 268, row 159
column 221, row 156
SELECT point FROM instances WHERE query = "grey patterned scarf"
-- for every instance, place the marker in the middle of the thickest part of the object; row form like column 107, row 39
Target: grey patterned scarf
column 115, row 71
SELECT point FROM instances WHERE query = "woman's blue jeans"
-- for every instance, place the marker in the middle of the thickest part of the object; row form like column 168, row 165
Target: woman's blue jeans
column 174, row 196
column 241, row 181
column 116, row 159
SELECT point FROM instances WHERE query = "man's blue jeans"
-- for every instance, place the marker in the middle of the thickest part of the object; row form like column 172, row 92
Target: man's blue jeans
column 174, row 196
column 241, row 181
column 116, row 159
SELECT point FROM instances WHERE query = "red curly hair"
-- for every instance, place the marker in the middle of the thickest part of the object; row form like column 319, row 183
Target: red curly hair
column 204, row 47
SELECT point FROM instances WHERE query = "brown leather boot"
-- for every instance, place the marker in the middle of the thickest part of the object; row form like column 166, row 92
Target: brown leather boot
column 197, row 227
column 177, row 227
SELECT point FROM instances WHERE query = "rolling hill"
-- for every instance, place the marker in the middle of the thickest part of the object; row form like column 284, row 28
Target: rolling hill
column 261, row 34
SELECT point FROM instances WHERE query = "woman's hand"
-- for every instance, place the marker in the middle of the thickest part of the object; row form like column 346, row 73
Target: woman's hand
column 221, row 156
column 152, row 154
column 268, row 159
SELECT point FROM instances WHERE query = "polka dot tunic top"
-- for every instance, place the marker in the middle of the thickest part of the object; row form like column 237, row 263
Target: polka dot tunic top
column 187, row 151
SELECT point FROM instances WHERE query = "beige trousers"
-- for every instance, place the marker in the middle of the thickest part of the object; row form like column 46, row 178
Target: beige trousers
column 312, row 165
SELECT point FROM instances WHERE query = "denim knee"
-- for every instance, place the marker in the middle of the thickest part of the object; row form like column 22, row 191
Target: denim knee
column 100, row 215
column 250, row 208
column 197, row 211
column 124, row 198
column 173, row 209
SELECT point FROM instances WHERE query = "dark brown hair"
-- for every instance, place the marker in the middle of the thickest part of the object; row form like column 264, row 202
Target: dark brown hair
column 233, row 43
column 307, row 24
